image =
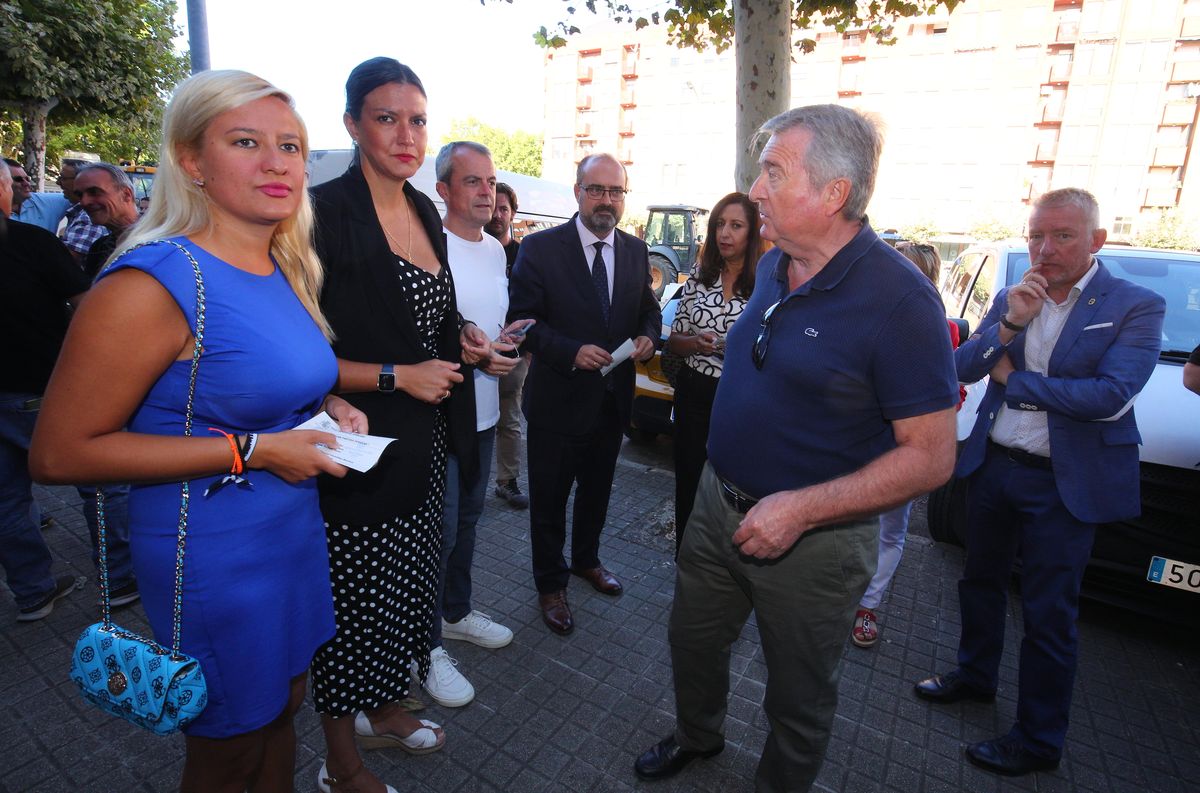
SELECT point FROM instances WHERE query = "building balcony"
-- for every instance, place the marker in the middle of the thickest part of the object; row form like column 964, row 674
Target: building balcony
column 1178, row 114
column 628, row 97
column 1169, row 156
column 584, row 73
column 1060, row 74
column 583, row 101
column 1046, row 152
column 1190, row 28
column 583, row 130
column 1161, row 197
column 1051, row 116
column 629, row 61
column 1066, row 34
column 1186, row 72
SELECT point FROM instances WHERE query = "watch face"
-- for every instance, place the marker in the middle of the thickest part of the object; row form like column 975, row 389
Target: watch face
column 387, row 381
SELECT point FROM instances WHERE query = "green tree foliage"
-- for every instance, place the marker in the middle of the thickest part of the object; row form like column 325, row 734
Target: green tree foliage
column 114, row 140
column 83, row 59
column 922, row 232
column 519, row 152
column 1168, row 229
column 993, row 229
column 699, row 24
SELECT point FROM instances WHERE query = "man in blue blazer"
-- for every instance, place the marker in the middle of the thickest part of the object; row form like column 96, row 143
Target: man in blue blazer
column 1053, row 453
column 588, row 286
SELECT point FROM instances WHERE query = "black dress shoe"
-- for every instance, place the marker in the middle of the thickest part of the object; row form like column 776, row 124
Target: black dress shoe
column 1005, row 755
column 950, row 687
column 666, row 759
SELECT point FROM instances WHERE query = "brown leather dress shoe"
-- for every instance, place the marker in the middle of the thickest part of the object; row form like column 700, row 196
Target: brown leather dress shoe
column 555, row 611
column 601, row 580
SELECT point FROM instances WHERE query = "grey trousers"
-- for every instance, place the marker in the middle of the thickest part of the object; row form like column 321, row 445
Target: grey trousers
column 804, row 604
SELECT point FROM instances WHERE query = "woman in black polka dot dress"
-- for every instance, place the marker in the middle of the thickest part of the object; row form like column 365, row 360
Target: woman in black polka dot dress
column 389, row 298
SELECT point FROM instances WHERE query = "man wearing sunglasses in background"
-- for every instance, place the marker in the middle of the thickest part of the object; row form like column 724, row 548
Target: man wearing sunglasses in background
column 37, row 209
column 588, row 286
column 836, row 403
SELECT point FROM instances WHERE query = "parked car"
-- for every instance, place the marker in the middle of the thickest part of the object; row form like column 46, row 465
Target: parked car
column 653, row 396
column 1121, row 570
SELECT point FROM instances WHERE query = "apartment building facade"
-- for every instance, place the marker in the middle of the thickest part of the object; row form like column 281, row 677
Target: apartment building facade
column 983, row 109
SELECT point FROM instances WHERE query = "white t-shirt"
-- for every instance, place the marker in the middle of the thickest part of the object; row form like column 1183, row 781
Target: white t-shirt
column 482, row 291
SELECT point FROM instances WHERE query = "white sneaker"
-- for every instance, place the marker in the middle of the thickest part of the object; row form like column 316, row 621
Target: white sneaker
column 479, row 629
column 446, row 684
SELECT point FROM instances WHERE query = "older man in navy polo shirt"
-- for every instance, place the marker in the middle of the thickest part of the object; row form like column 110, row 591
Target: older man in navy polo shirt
column 836, row 403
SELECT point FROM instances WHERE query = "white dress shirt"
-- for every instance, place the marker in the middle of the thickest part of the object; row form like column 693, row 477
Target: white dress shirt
column 589, row 241
column 1029, row 429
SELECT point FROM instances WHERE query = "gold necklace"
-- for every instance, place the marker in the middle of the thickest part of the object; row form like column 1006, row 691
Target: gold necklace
column 405, row 251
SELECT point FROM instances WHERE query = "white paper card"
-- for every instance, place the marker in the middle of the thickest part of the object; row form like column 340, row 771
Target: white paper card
column 619, row 356
column 360, row 452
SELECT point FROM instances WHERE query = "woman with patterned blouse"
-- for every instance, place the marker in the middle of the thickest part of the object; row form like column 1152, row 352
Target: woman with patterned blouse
column 709, row 303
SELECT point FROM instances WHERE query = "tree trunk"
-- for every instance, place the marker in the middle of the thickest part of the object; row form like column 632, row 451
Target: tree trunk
column 762, row 35
column 33, row 143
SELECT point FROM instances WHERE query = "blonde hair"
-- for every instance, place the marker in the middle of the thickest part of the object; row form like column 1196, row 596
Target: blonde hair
column 181, row 208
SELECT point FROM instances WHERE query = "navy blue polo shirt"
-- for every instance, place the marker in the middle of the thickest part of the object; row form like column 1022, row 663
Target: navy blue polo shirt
column 861, row 344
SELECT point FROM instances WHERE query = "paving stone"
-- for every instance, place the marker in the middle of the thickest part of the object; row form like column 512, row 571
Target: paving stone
column 572, row 713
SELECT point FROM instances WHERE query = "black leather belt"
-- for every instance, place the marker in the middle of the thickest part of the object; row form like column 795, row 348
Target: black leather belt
column 1021, row 456
column 736, row 499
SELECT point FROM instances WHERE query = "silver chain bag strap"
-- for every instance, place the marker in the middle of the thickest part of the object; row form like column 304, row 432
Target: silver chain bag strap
column 122, row 672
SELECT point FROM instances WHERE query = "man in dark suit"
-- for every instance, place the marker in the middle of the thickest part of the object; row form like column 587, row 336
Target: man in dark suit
column 1054, row 452
column 588, row 286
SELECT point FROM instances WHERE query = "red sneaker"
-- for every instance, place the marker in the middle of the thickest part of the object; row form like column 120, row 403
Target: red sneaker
column 866, row 628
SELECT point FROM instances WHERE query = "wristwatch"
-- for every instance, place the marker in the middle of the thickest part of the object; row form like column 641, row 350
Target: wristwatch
column 1014, row 327
column 387, row 378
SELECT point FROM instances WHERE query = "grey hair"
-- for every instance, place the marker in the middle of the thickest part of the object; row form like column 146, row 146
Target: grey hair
column 1076, row 197
column 588, row 160
column 845, row 144
column 120, row 179
column 444, row 164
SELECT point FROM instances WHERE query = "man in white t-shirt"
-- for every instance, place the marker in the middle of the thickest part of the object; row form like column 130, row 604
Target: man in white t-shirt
column 467, row 183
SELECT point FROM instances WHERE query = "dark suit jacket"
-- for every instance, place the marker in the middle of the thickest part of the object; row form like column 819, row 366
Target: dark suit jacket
column 551, row 283
column 372, row 322
column 1105, row 355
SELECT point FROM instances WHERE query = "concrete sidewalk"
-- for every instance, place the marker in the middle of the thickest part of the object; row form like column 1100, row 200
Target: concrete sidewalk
column 554, row 713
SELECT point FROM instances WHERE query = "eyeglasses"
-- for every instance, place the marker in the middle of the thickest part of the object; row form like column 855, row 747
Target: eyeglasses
column 21, row 179
column 598, row 191
column 758, row 353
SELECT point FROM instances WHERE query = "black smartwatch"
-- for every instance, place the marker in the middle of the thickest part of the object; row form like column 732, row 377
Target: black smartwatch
column 387, row 378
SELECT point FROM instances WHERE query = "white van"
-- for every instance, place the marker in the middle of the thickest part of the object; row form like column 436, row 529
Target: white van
column 1122, row 569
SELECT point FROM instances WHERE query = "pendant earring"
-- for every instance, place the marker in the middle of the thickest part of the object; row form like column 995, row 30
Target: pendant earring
column 198, row 182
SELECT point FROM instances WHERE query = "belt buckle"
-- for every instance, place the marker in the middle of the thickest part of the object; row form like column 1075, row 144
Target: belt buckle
column 736, row 500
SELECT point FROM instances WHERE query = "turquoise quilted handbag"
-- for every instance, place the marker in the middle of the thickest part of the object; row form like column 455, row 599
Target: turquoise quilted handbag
column 126, row 674
column 138, row 679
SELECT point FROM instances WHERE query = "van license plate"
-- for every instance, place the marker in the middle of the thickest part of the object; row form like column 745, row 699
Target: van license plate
column 1168, row 572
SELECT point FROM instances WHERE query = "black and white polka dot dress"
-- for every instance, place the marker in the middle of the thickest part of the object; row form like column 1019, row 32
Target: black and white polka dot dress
column 385, row 577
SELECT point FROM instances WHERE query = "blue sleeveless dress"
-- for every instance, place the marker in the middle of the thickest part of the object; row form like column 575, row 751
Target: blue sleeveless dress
column 256, row 595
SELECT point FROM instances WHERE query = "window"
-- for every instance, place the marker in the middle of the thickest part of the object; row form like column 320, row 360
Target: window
column 1122, row 226
column 981, row 293
column 959, row 280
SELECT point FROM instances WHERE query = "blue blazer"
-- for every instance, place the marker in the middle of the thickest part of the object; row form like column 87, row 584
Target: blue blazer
column 551, row 283
column 1106, row 353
